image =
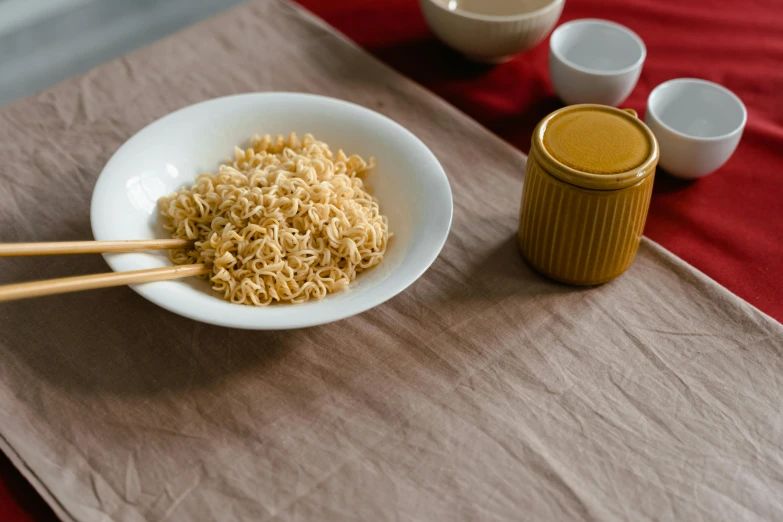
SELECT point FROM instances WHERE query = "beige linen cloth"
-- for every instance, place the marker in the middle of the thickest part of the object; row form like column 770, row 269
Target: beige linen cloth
column 483, row 392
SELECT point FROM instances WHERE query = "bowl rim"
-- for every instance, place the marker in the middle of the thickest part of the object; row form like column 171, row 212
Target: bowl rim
column 336, row 313
column 652, row 111
column 606, row 23
column 553, row 4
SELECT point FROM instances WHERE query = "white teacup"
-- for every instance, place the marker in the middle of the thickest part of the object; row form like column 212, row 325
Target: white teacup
column 697, row 123
column 595, row 61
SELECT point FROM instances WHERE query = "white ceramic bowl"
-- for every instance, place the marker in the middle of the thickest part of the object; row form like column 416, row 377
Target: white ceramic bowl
column 595, row 61
column 492, row 38
column 410, row 184
column 697, row 123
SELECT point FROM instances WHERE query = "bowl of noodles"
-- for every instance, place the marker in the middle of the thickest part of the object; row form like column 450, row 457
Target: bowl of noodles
column 305, row 209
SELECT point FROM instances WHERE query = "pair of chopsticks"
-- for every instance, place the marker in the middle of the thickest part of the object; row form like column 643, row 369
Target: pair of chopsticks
column 89, row 282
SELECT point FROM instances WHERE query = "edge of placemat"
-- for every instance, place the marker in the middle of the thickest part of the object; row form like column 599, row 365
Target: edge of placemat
column 317, row 20
column 670, row 257
column 51, row 500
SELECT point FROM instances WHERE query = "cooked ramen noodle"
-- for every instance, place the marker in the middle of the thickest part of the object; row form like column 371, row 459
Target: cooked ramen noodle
column 286, row 220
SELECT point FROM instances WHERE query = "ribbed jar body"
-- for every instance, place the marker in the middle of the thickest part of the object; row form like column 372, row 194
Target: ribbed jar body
column 589, row 234
column 580, row 236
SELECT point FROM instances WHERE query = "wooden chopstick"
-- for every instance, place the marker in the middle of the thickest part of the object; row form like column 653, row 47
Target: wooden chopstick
column 89, row 247
column 89, row 282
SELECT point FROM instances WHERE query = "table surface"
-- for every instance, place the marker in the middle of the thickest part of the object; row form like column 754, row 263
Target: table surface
column 729, row 225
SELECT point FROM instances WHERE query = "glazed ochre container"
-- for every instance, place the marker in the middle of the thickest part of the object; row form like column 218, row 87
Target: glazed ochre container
column 586, row 193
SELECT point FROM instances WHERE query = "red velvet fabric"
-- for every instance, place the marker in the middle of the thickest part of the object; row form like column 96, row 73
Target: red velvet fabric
column 729, row 224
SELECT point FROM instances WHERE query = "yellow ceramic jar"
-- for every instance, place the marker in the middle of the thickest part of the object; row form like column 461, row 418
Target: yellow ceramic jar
column 586, row 194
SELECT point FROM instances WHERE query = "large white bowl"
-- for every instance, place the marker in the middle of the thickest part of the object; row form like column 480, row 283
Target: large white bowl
column 492, row 38
column 409, row 183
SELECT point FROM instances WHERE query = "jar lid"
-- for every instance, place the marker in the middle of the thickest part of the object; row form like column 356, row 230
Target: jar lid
column 595, row 146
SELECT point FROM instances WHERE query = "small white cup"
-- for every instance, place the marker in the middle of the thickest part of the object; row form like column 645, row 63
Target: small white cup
column 697, row 123
column 595, row 61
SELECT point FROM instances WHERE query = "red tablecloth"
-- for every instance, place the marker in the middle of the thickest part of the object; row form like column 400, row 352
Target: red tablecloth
column 729, row 225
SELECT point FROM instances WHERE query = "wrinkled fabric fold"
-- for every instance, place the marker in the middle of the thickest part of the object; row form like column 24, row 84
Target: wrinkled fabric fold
column 483, row 392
